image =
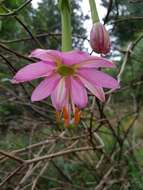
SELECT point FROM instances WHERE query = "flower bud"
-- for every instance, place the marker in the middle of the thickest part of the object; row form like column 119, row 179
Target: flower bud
column 99, row 39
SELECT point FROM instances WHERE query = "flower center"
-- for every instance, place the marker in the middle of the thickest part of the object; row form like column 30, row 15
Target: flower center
column 65, row 70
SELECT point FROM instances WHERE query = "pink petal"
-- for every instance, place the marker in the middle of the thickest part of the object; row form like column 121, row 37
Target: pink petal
column 95, row 90
column 85, row 60
column 74, row 57
column 33, row 71
column 96, row 62
column 78, row 93
column 59, row 95
column 45, row 88
column 46, row 55
column 99, row 78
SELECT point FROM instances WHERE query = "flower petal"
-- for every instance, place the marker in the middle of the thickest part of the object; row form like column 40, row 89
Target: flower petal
column 45, row 88
column 33, row 71
column 95, row 90
column 78, row 93
column 46, row 55
column 96, row 62
column 59, row 95
column 74, row 57
column 99, row 78
column 84, row 59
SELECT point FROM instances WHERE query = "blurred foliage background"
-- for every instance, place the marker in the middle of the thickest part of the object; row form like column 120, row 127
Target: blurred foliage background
column 117, row 125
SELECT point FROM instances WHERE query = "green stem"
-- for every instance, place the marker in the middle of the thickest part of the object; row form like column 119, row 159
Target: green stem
column 66, row 25
column 94, row 12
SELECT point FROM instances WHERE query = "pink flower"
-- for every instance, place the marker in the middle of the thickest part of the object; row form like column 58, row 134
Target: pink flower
column 67, row 75
column 99, row 39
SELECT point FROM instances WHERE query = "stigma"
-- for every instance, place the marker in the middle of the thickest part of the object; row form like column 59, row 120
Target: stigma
column 65, row 70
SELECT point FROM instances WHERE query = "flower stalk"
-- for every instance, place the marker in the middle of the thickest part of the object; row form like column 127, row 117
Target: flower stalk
column 94, row 12
column 65, row 10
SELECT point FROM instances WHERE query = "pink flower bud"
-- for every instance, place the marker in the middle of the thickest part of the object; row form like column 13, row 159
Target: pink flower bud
column 99, row 39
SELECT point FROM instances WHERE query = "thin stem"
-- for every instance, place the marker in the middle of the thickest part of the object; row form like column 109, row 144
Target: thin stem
column 94, row 13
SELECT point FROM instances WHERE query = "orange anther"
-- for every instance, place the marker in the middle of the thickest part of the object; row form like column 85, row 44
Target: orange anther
column 77, row 116
column 66, row 116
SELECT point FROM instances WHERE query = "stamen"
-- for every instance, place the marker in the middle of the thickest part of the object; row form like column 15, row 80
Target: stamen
column 58, row 116
column 66, row 116
column 77, row 116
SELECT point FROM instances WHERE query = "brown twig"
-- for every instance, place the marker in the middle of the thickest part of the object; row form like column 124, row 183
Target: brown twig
column 104, row 179
column 16, row 158
column 61, row 153
column 12, row 174
column 108, row 11
column 16, row 53
column 28, row 31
